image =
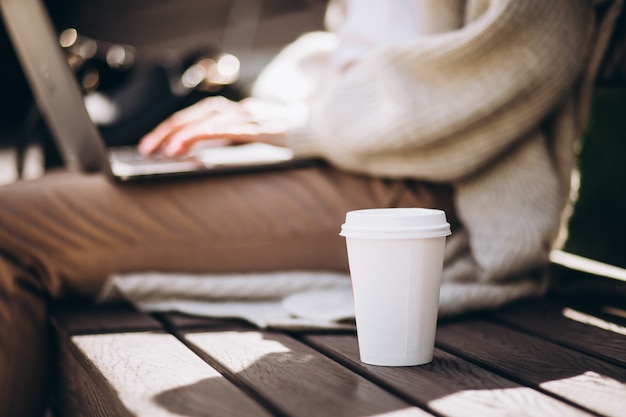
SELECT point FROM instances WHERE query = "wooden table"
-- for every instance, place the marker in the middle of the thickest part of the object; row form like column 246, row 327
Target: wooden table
column 550, row 357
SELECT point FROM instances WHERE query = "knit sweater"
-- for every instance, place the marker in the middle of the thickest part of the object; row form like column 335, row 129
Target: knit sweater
column 492, row 98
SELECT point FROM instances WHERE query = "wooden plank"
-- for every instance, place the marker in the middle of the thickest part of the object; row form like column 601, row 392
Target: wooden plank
column 593, row 331
column 153, row 374
column 295, row 379
column 449, row 385
column 574, row 275
column 80, row 390
column 589, row 382
column 187, row 322
column 89, row 318
column 105, row 370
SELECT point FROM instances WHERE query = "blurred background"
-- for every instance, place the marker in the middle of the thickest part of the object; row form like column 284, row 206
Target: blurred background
column 170, row 35
column 165, row 37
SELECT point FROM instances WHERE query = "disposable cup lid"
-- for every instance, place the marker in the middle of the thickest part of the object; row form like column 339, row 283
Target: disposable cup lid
column 395, row 223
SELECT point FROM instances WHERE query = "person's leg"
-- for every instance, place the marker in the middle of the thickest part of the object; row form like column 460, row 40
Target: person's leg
column 66, row 233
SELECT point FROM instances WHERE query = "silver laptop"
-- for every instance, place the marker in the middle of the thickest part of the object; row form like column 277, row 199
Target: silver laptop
column 61, row 103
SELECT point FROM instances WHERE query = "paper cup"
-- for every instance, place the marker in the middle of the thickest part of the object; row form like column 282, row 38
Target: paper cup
column 396, row 259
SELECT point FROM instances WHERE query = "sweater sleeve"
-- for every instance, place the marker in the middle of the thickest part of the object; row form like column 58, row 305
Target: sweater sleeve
column 441, row 107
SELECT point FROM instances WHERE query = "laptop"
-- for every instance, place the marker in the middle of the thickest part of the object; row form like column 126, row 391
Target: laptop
column 62, row 106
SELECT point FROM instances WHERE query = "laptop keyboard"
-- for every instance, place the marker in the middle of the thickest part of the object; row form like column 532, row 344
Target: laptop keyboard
column 131, row 155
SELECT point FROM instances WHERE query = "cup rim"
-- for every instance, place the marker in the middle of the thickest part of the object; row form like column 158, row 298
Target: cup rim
column 395, row 223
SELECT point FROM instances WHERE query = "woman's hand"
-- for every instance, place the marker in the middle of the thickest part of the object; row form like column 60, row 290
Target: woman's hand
column 217, row 118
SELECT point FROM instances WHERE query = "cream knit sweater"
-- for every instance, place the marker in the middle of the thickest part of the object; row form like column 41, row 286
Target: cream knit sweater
column 492, row 98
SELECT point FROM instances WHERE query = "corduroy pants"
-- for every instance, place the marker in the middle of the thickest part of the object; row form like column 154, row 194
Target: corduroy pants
column 62, row 235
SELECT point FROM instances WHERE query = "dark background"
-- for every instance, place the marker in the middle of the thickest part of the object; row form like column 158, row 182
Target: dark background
column 253, row 30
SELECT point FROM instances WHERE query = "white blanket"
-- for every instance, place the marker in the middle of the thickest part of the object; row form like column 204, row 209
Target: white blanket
column 290, row 299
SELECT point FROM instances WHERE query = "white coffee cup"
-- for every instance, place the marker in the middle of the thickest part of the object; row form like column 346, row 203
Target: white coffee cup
column 396, row 259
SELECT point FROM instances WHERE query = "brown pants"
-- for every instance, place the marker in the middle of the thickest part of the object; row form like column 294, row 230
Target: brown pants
column 64, row 234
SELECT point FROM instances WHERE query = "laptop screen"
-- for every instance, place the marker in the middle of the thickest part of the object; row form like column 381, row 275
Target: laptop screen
column 53, row 85
column 61, row 103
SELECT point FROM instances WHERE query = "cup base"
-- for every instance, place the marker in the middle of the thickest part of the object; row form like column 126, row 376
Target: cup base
column 395, row 361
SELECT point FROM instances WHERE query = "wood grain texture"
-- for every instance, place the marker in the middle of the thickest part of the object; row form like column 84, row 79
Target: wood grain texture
column 155, row 375
column 586, row 381
column 80, row 389
column 295, row 379
column 524, row 360
column 188, row 322
column 581, row 327
column 449, row 385
column 90, row 318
